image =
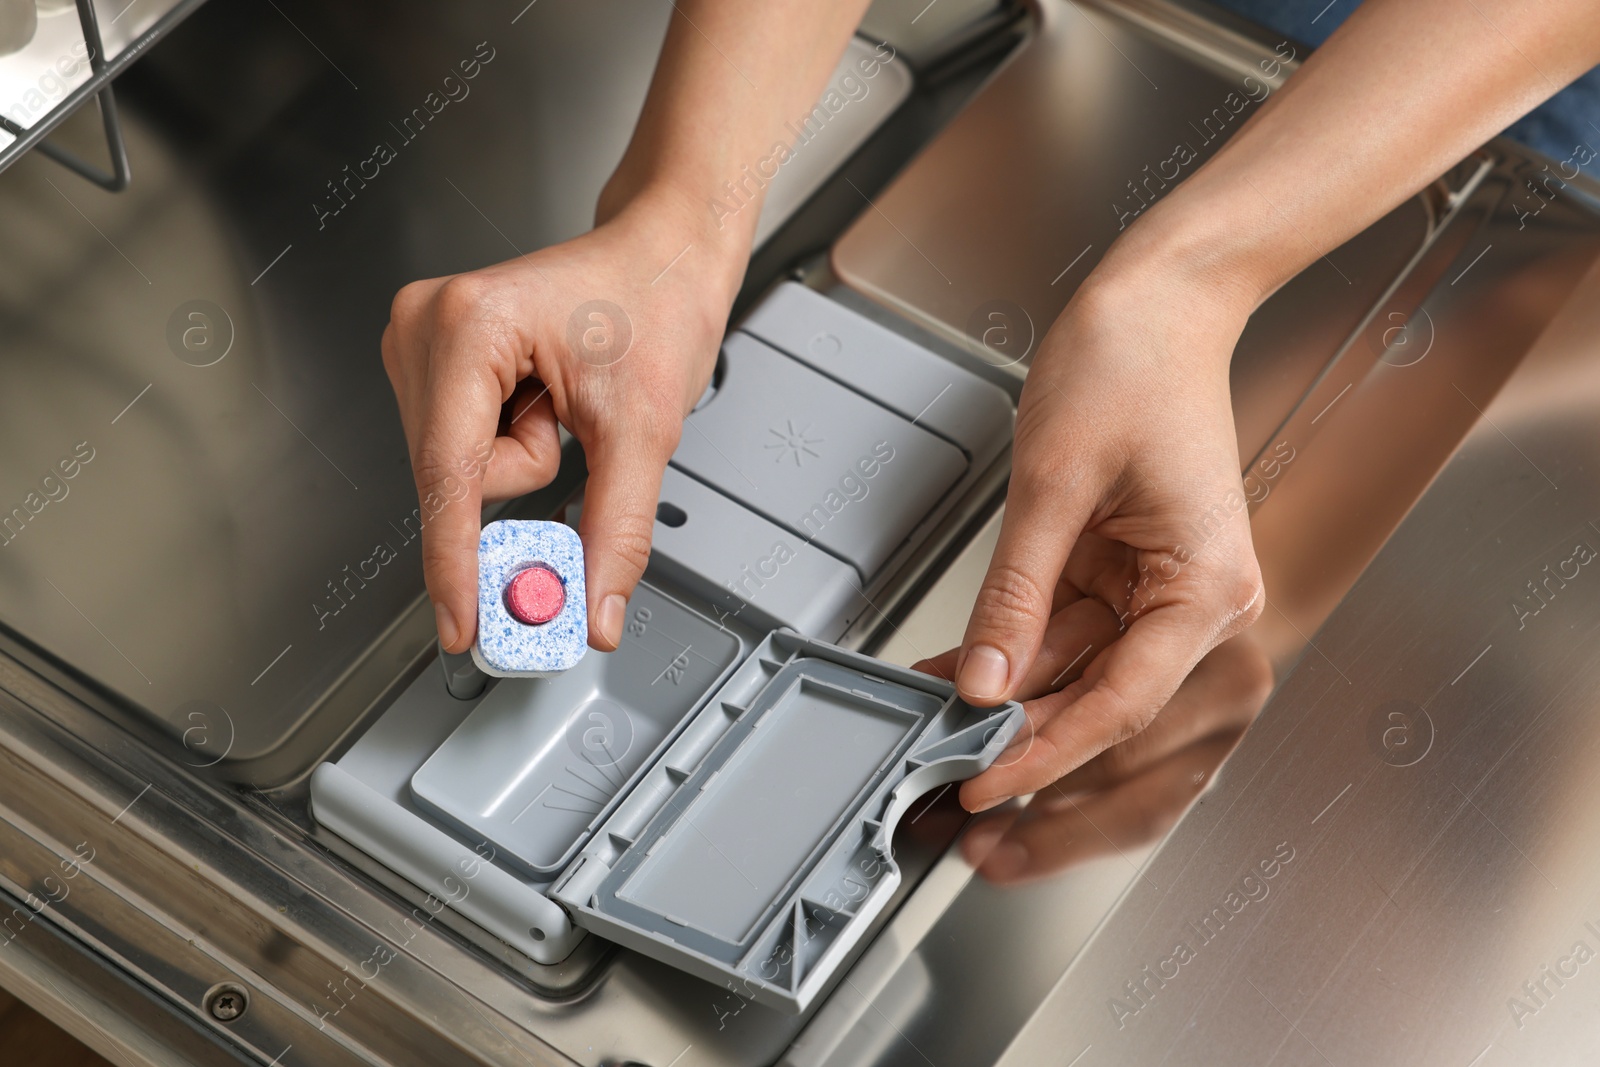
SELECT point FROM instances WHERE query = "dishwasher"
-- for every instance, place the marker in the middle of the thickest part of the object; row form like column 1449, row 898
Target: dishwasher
column 250, row 814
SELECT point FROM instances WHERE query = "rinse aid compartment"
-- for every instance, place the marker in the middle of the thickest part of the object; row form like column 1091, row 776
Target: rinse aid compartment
column 720, row 792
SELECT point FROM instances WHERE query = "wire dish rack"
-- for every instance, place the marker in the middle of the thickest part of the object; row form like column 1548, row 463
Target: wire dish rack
column 63, row 66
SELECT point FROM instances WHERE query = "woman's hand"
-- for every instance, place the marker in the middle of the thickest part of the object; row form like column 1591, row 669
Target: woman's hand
column 1124, row 555
column 613, row 335
column 1124, row 430
column 1131, row 793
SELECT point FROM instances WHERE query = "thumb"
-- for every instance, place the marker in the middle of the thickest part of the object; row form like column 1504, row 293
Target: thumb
column 1042, row 522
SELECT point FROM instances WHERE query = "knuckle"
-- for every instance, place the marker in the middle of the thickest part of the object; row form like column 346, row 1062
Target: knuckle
column 429, row 464
column 1244, row 598
column 1052, row 758
column 464, row 298
column 1126, row 718
column 436, row 473
column 1046, row 762
column 408, row 304
column 630, row 544
column 1011, row 597
column 547, row 462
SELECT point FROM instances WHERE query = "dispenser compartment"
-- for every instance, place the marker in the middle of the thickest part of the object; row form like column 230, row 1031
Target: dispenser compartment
column 832, row 467
column 748, row 568
column 918, row 385
column 755, row 824
column 539, row 762
column 626, row 795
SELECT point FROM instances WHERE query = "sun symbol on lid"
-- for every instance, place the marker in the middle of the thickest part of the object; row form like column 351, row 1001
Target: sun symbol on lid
column 793, row 442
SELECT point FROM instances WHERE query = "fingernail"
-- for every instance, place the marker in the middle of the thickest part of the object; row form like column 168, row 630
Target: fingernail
column 983, row 673
column 1019, row 747
column 448, row 631
column 987, row 804
column 608, row 618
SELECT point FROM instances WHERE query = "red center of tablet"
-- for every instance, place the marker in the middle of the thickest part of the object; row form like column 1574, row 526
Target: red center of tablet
column 535, row 595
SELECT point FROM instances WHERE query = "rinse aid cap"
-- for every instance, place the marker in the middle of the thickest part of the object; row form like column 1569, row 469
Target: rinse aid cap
column 533, row 618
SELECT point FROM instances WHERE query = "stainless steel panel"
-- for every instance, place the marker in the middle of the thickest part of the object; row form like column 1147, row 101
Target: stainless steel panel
column 1430, row 771
column 1366, row 443
column 999, row 219
column 1368, row 425
column 197, row 883
column 826, row 146
column 235, row 557
column 87, row 997
column 217, row 562
column 926, row 33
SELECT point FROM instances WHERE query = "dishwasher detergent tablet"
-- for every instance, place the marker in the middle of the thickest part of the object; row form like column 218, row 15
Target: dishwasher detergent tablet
column 532, row 616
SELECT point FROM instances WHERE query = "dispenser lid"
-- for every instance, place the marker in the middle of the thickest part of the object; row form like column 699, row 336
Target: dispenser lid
column 837, row 470
column 755, row 851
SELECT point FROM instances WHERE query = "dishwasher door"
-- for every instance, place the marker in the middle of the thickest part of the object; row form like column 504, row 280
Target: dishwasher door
column 202, row 459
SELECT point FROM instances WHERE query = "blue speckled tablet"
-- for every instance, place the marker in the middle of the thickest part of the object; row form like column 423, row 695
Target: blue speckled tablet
column 507, row 647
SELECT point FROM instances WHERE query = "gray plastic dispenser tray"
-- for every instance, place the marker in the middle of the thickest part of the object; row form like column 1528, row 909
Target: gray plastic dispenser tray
column 725, row 810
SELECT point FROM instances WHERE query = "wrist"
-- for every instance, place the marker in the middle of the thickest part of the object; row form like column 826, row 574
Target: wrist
column 1172, row 299
column 1223, row 244
column 670, row 222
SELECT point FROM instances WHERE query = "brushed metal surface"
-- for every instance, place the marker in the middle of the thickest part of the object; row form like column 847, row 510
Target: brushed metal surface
column 215, row 564
column 1431, row 770
column 1359, row 466
column 197, row 882
column 1020, row 197
column 1370, row 428
column 1366, row 443
column 237, row 561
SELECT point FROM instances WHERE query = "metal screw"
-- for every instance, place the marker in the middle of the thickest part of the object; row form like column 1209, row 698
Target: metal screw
column 225, row 1003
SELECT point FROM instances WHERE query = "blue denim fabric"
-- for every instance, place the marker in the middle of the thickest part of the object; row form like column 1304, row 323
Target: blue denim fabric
column 1556, row 127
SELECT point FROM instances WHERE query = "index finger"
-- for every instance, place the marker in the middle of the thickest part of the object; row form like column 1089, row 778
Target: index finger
column 1046, row 511
column 455, row 441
